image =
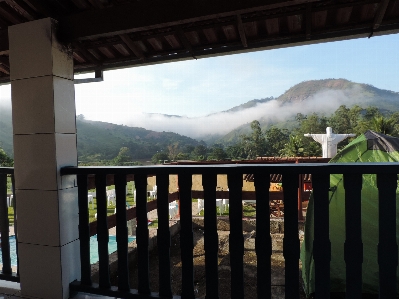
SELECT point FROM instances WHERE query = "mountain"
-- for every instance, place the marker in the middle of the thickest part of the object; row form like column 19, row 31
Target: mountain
column 319, row 92
column 247, row 105
column 357, row 93
column 102, row 141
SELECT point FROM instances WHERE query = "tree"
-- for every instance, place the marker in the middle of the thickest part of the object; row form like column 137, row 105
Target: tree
column 217, row 153
column 294, row 147
column 173, row 151
column 5, row 160
column 199, row 153
column 276, row 140
column 159, row 158
column 123, row 156
column 384, row 125
column 234, row 151
column 254, row 145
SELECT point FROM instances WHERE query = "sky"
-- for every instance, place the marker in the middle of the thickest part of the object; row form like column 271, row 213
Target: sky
column 197, row 88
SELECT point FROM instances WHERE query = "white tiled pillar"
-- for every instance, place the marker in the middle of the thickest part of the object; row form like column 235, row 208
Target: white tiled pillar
column 44, row 127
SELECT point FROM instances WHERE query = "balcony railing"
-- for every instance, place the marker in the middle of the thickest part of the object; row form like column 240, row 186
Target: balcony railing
column 7, row 270
column 352, row 175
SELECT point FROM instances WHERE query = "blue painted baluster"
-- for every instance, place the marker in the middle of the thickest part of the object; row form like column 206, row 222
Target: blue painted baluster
column 186, row 236
column 102, row 231
column 291, row 248
column 353, row 244
column 387, row 246
column 4, row 226
column 121, row 232
column 163, row 236
column 142, row 234
column 263, row 240
column 211, row 240
column 236, row 238
column 321, row 243
column 84, row 230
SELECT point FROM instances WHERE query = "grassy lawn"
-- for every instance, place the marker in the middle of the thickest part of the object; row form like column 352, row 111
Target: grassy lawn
column 110, row 209
column 11, row 215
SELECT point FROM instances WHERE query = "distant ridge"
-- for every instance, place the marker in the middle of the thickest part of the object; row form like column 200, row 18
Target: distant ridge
column 364, row 95
column 361, row 94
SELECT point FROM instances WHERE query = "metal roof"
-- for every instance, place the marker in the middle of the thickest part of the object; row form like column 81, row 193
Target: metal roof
column 107, row 34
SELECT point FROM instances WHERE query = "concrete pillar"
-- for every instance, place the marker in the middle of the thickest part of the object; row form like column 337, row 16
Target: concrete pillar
column 44, row 129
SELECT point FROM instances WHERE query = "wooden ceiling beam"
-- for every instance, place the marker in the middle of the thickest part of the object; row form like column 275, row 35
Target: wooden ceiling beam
column 308, row 20
column 241, row 31
column 139, row 15
column 86, row 54
column 184, row 40
column 97, row 4
column 4, row 61
column 43, row 8
column 132, row 46
column 4, row 69
column 10, row 14
column 379, row 16
column 25, row 9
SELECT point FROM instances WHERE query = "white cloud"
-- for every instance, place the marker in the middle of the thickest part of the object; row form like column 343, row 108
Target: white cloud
column 324, row 102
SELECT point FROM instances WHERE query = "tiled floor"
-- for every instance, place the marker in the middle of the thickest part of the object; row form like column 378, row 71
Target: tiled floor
column 9, row 289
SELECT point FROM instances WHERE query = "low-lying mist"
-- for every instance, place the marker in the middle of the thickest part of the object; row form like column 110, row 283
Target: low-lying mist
column 221, row 123
column 325, row 102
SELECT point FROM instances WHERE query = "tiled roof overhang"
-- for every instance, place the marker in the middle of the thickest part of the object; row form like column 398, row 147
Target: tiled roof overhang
column 109, row 34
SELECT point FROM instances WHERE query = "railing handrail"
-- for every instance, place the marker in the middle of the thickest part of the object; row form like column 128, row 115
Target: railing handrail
column 7, row 170
column 319, row 237
column 365, row 168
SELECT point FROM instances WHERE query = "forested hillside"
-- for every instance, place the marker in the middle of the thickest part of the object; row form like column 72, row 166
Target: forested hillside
column 319, row 91
column 100, row 141
column 103, row 141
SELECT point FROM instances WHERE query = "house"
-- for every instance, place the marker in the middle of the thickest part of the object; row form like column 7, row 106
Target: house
column 44, row 43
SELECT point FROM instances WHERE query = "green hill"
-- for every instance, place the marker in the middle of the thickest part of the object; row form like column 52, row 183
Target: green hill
column 363, row 95
column 102, row 141
column 99, row 140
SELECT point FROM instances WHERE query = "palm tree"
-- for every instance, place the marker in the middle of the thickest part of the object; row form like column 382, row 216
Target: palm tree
column 384, row 125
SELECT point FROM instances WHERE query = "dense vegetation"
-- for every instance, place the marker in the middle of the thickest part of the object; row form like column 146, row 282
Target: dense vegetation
column 110, row 144
column 283, row 142
column 363, row 95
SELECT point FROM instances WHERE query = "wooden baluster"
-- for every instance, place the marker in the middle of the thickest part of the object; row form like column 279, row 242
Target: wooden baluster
column 211, row 240
column 102, row 231
column 387, row 246
column 263, row 240
column 84, row 230
column 4, row 226
column 121, row 233
column 142, row 234
column 236, row 238
column 163, row 236
column 353, row 244
column 186, row 236
column 321, row 243
column 291, row 250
